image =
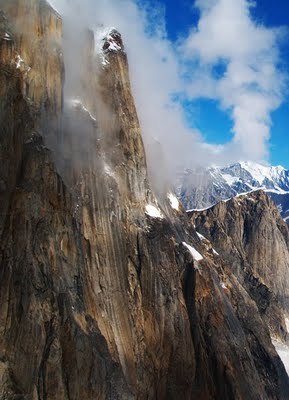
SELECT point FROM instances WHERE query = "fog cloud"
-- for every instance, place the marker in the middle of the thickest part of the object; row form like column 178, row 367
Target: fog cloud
column 226, row 37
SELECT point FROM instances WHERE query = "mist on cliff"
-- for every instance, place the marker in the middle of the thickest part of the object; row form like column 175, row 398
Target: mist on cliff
column 165, row 74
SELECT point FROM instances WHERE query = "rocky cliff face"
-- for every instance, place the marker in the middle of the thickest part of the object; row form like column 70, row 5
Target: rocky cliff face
column 103, row 291
column 250, row 234
column 31, row 81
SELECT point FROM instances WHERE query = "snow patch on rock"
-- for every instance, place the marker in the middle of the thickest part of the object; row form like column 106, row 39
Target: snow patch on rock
column 7, row 36
column 19, row 61
column 20, row 64
column 201, row 236
column 102, row 36
column 196, row 255
column 174, row 201
column 153, row 211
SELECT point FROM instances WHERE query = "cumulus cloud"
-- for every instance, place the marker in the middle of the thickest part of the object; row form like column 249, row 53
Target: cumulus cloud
column 252, row 85
column 226, row 38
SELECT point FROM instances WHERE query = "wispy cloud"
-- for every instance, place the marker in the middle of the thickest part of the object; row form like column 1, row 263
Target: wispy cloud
column 249, row 87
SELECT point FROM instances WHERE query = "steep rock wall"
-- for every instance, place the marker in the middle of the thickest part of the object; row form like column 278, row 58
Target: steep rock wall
column 99, row 299
column 250, row 234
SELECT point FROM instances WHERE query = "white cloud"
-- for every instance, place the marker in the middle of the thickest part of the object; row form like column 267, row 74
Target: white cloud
column 250, row 88
column 252, row 85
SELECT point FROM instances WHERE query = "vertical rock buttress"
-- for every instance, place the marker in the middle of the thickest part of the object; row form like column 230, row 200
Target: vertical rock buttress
column 85, row 311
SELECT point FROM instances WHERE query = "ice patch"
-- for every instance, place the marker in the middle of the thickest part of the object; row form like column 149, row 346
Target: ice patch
column 174, row 201
column 153, row 211
column 287, row 323
column 196, row 255
column 215, row 252
column 223, row 285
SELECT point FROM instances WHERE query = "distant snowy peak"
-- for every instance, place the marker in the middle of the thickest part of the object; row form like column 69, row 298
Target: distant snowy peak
column 253, row 176
column 202, row 188
column 263, row 173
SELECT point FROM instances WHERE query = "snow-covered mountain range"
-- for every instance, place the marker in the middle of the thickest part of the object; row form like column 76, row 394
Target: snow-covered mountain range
column 202, row 188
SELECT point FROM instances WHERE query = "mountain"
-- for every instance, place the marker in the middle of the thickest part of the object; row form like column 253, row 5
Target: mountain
column 204, row 187
column 249, row 234
column 106, row 290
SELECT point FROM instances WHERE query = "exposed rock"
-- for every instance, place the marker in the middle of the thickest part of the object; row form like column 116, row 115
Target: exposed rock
column 249, row 233
column 100, row 299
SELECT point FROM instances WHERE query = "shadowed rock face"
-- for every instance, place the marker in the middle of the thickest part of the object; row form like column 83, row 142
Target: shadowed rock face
column 98, row 299
column 250, row 234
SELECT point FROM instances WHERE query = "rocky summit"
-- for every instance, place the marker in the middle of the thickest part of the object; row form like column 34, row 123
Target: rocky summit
column 106, row 291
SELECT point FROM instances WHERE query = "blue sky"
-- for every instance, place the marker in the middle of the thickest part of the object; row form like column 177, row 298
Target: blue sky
column 205, row 114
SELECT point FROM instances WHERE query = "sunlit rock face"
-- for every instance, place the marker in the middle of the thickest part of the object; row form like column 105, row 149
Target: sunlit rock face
column 31, row 81
column 87, row 311
column 35, row 30
column 105, row 291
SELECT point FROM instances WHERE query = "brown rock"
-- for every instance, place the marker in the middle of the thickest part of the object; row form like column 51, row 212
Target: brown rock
column 99, row 300
column 250, row 234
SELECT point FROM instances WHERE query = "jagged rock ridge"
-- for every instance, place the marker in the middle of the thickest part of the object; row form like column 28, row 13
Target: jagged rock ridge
column 101, row 294
column 249, row 234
